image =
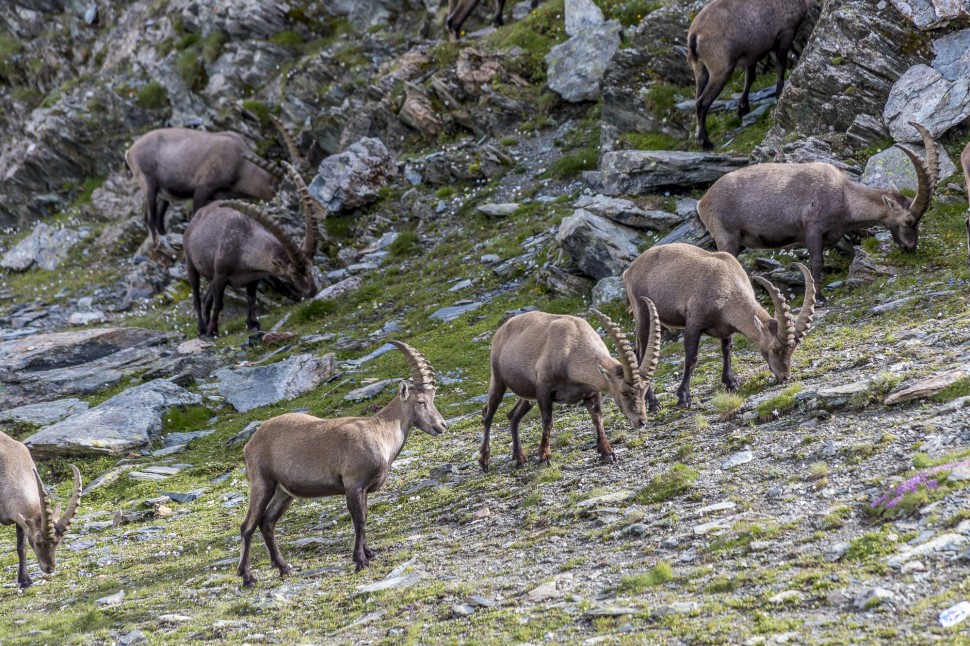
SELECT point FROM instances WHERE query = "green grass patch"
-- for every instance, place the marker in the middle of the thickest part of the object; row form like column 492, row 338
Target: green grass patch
column 659, row 574
column 727, row 405
column 677, row 481
column 955, row 390
column 869, row 546
column 316, row 310
column 190, row 69
column 258, row 109
column 783, row 401
column 651, row 141
column 405, row 245
column 152, row 96
column 572, row 164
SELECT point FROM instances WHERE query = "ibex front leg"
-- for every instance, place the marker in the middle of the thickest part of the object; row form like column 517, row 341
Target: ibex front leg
column 594, row 406
column 23, row 579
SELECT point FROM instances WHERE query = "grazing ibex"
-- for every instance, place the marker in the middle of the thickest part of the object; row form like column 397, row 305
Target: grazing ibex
column 708, row 293
column 552, row 358
column 768, row 206
column 173, row 164
column 459, row 10
column 25, row 503
column 728, row 32
column 300, row 456
column 965, row 162
column 235, row 243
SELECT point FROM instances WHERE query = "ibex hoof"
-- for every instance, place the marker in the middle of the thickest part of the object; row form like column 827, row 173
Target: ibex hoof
column 361, row 565
column 249, row 582
column 683, row 403
column 26, row 583
column 545, row 462
column 608, row 458
column 369, row 552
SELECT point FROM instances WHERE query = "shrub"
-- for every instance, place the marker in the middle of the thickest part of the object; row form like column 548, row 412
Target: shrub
column 152, row 96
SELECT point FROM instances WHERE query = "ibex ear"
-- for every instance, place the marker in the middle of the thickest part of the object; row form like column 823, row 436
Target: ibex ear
column 604, row 372
column 893, row 187
column 405, row 390
column 891, row 203
column 759, row 326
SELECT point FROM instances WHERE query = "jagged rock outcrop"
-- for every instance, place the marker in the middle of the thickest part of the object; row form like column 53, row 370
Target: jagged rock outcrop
column 576, row 66
column 251, row 387
column 353, row 178
column 46, row 247
column 598, row 246
column 636, row 172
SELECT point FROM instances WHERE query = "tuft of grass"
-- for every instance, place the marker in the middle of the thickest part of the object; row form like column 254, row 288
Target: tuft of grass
column 152, row 96
column 446, row 191
column 212, row 46
column 727, row 405
column 289, row 39
column 661, row 573
column 189, row 66
column 783, row 401
column 870, row 546
column 405, row 245
column 315, row 310
column 955, row 390
column 818, row 471
column 258, row 109
column 678, row 480
column 651, row 141
column 837, row 517
column 573, row 164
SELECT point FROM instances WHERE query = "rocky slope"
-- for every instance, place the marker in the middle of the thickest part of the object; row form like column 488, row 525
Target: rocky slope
column 523, row 168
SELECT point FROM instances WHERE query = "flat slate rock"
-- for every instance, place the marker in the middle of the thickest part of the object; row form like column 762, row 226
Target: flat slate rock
column 637, row 172
column 252, row 387
column 44, row 412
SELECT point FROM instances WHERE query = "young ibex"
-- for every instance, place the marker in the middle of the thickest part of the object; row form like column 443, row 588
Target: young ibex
column 965, row 162
column 235, row 243
column 25, row 502
column 550, row 358
column 728, row 32
column 459, row 10
column 301, row 456
column 768, row 206
column 708, row 293
column 174, row 164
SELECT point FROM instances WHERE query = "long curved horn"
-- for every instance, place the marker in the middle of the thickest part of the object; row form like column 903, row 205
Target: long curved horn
column 928, row 174
column 310, row 210
column 292, row 251
column 269, row 167
column 651, row 354
column 63, row 523
column 46, row 513
column 786, row 328
column 291, row 148
column 421, row 371
column 804, row 321
column 628, row 359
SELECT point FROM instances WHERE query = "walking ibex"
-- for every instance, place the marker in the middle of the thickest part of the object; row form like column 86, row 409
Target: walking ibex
column 728, row 32
column 235, row 243
column 551, row 358
column 459, row 10
column 300, row 456
column 25, row 503
column 174, row 164
column 709, row 293
column 768, row 206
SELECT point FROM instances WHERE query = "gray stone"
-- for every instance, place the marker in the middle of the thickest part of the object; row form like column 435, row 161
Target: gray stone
column 479, row 601
column 929, row 14
column 867, row 130
column 45, row 247
column 86, row 318
column 446, row 314
column 498, row 210
column 609, row 290
column 563, row 282
column 928, row 386
column 243, row 436
column 127, row 421
column 251, row 387
column 369, row 391
column 576, row 67
column 626, row 212
column 924, row 96
column 169, row 450
column 598, row 246
column 185, row 497
column 544, row 592
column 45, row 412
column 184, row 438
column 134, row 637
column 893, row 166
column 952, row 55
column 959, row 473
column 462, row 610
column 339, row 289
column 786, row 596
column 944, row 543
column 353, row 178
column 718, row 506
column 872, row 597
column 636, row 172
column 582, row 15
column 736, row 460
column 111, row 599
column 692, row 232
column 864, row 269
column 460, row 285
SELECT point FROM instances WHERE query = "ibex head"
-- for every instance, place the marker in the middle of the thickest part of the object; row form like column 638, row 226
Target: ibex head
column 784, row 333
column 49, row 530
column 417, row 397
column 905, row 213
column 628, row 385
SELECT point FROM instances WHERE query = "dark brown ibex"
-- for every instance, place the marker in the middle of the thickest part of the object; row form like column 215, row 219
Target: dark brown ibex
column 552, row 358
column 965, row 162
column 728, row 32
column 25, row 503
column 459, row 10
column 708, row 293
column 174, row 164
column 301, row 456
column 235, row 243
column 768, row 206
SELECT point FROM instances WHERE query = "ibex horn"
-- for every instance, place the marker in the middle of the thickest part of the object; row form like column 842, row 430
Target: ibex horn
column 310, row 210
column 804, row 321
column 63, row 523
column 928, row 174
column 46, row 513
column 651, row 354
column 294, row 253
column 291, row 148
column 786, row 328
column 628, row 359
column 421, row 371
column 269, row 167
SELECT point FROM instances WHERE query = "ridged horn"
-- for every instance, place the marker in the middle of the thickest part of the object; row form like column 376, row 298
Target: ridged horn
column 310, row 209
column 928, row 174
column 269, row 167
column 804, row 321
column 294, row 253
column 421, row 371
column 46, row 512
column 291, row 148
column 628, row 359
column 651, row 354
column 63, row 523
column 786, row 328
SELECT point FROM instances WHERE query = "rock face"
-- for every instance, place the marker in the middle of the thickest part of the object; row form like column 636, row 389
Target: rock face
column 354, row 177
column 44, row 412
column 892, row 165
column 924, row 96
column 627, row 213
column 635, row 172
column 927, row 14
column 45, row 247
column 581, row 15
column 248, row 388
column 127, row 421
column 598, row 246
column 864, row 269
column 48, row 366
column 576, row 66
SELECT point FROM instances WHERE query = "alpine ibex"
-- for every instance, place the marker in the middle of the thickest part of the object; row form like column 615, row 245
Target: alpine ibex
column 300, row 456
column 708, row 293
column 965, row 162
column 174, row 164
column 728, row 32
column 768, row 206
column 235, row 243
column 25, row 503
column 552, row 358
column 459, row 10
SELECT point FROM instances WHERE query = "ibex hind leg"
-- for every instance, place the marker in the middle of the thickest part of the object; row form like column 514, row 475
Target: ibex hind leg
column 260, row 493
column 274, row 510
column 520, row 410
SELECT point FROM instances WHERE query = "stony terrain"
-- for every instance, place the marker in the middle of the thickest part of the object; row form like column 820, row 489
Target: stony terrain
column 522, row 168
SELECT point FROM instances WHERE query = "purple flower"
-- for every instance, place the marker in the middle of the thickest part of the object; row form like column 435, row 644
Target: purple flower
column 893, row 497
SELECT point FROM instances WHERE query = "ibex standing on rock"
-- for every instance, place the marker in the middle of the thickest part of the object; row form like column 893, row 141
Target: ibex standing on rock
column 459, row 10
column 728, row 32
column 768, row 206
column 552, row 358
column 25, row 503
column 965, row 162
column 173, row 164
column 235, row 243
column 709, row 293
column 301, row 456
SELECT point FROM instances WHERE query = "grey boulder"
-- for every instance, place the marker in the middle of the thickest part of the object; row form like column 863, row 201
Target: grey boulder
column 598, row 246
column 923, row 95
column 626, row 212
column 353, row 178
column 892, row 165
column 576, row 67
column 45, row 247
column 44, row 412
column 251, row 387
column 635, row 172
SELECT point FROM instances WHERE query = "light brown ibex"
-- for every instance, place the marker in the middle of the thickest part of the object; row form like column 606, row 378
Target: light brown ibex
column 553, row 358
column 301, row 456
column 235, row 243
column 768, row 206
column 25, row 503
column 459, row 10
column 708, row 293
column 728, row 32
column 175, row 164
column 965, row 162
